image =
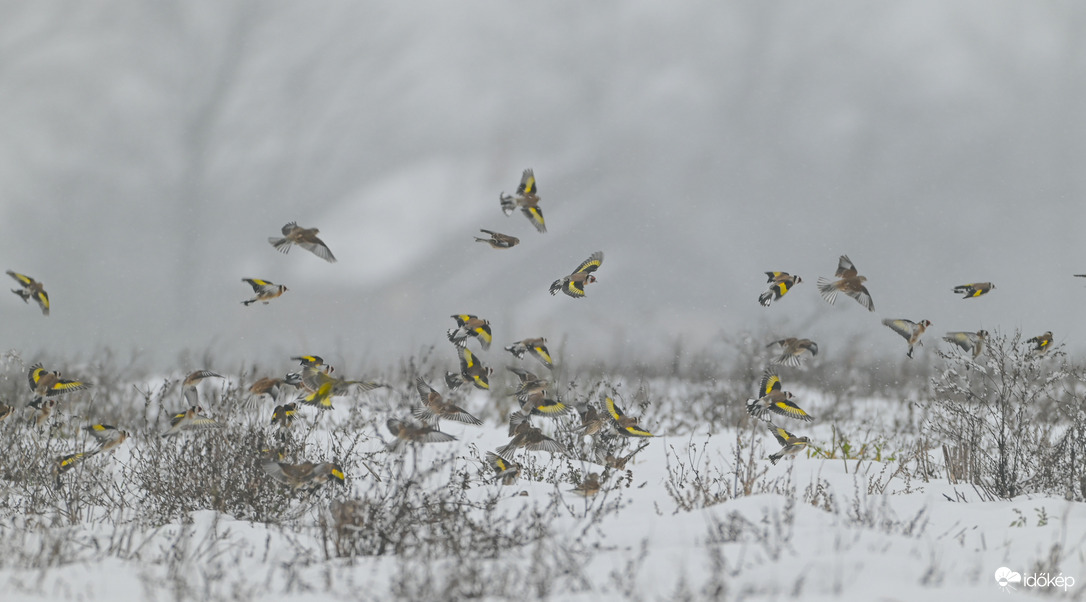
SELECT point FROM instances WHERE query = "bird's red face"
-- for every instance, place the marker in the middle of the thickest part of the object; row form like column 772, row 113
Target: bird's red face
column 925, row 323
column 590, row 279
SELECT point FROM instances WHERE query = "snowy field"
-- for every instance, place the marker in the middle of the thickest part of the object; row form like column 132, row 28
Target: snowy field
column 870, row 511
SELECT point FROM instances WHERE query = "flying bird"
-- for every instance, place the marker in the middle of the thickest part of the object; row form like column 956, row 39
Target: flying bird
column 265, row 290
column 308, row 476
column 503, row 469
column 530, row 438
column 32, row 289
column 969, row 341
column 406, row 432
column 527, row 199
column 848, row 282
column 498, row 240
column 1041, row 343
column 108, row 436
column 773, row 398
column 285, row 414
column 49, row 384
column 271, row 386
column 537, row 347
column 910, row 330
column 792, row 350
column 779, row 284
column 974, row 289
column 472, row 370
column 435, row 408
column 306, row 238
column 190, row 420
column 573, row 285
column 321, row 388
column 626, row 425
column 188, row 387
column 791, row 443
column 468, row 325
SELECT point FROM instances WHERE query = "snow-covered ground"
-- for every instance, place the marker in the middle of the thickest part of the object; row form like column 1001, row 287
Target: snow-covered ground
column 694, row 516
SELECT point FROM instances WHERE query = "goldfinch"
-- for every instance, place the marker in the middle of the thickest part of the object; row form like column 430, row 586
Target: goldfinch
column 527, row 199
column 609, row 460
column 108, row 436
column 773, row 398
column 271, row 386
column 265, row 290
column 626, row 425
column 1041, row 343
column 285, row 414
column 307, row 476
column 498, row 240
column 573, row 285
column 791, row 443
column 32, row 289
column 434, row 407
column 530, row 438
column 503, row 469
column 536, row 405
column 322, row 388
column 592, row 420
column 5, row 410
column 792, row 350
column 472, row 370
column 779, row 284
column 188, row 386
column 974, row 289
column 313, row 361
column 66, row 463
column 468, row 325
column 910, row 330
column 190, row 420
column 44, row 407
column 530, row 384
column 306, row 238
column 537, row 347
column 589, row 487
column 49, row 384
column 969, row 341
column 406, row 432
column 848, row 282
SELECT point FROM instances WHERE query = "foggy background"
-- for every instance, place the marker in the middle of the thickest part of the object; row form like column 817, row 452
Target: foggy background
column 150, row 149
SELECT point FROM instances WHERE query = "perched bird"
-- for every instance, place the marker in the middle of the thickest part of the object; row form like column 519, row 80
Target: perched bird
column 31, row 289
column 468, row 325
column 264, row 290
column 527, row 199
column 1041, row 344
column 190, row 420
column 306, row 238
column 271, row 386
column 188, row 386
column 530, row 438
column 472, row 370
column 779, row 284
column 772, row 398
column 307, row 476
column 108, row 436
column 626, row 425
column 498, row 240
column 49, row 384
column 969, row 341
column 588, row 487
column 592, row 420
column 434, row 407
column 974, row 289
column 505, row 470
column 45, row 410
column 573, row 285
column 5, row 410
column 848, row 282
column 284, row 415
column 406, row 432
column 349, row 516
column 792, row 349
column 537, row 347
column 910, row 330
column 791, row 443
column 609, row 460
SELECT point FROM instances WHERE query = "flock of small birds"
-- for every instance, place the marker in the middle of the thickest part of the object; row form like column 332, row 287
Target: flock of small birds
column 771, row 398
column 314, row 384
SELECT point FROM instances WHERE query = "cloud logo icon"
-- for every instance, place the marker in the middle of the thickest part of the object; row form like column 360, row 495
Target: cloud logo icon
column 1006, row 577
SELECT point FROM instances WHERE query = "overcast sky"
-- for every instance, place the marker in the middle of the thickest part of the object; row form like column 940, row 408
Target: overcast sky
column 150, row 149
